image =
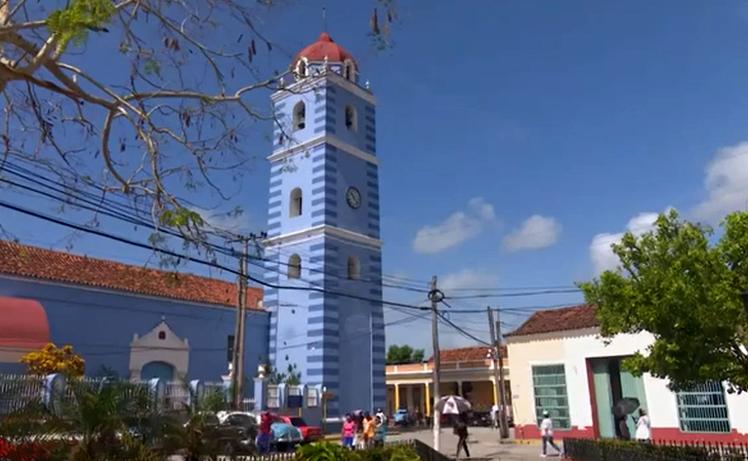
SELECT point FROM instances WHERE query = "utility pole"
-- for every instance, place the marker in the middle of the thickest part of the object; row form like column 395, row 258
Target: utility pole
column 435, row 296
column 237, row 367
column 498, row 371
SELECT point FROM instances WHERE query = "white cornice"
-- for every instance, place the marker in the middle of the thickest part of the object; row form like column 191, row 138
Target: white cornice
column 310, row 83
column 280, row 154
column 316, row 231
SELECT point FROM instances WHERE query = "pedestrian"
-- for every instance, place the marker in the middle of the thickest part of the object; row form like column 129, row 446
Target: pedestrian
column 546, row 433
column 264, row 435
column 380, row 414
column 370, row 427
column 348, row 432
column 461, row 431
column 643, row 426
column 495, row 416
column 381, row 432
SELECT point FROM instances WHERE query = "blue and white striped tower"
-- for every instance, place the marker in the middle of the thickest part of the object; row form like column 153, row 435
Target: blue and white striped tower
column 323, row 230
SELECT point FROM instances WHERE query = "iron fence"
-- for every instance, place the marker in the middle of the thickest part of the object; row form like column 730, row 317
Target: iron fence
column 658, row 450
column 17, row 391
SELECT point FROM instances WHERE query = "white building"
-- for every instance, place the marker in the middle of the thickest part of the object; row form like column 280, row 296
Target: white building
column 562, row 365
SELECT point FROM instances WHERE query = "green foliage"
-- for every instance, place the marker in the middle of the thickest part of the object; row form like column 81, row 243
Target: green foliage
column 181, row 217
column 686, row 291
column 80, row 16
column 403, row 354
column 615, row 450
column 292, row 375
column 325, row 451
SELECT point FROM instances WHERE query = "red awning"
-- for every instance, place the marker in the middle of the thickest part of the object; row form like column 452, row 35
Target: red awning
column 23, row 324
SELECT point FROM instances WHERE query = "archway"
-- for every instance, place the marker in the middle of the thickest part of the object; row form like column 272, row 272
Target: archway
column 157, row 369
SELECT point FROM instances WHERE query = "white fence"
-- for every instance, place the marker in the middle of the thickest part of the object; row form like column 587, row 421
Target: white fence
column 20, row 391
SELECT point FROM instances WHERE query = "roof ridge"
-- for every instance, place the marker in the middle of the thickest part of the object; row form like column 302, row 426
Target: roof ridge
column 41, row 263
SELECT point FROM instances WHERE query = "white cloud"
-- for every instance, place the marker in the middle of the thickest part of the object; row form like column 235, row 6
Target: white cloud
column 467, row 278
column 535, row 233
column 601, row 253
column 726, row 184
column 457, row 228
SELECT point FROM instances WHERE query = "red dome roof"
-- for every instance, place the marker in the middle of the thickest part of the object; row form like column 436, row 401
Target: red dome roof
column 23, row 323
column 325, row 47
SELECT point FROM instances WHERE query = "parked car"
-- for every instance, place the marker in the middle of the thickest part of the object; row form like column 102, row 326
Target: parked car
column 246, row 421
column 229, row 439
column 308, row 433
column 285, row 435
column 479, row 418
column 401, row 417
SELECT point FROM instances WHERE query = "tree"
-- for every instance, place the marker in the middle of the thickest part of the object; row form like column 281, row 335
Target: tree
column 53, row 359
column 149, row 99
column 403, row 354
column 686, row 291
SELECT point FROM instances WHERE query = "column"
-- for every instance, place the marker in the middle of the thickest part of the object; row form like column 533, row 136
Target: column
column 409, row 397
column 459, row 388
column 397, row 396
column 428, row 398
column 495, row 391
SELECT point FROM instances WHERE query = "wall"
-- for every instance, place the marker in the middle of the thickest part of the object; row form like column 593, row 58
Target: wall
column 100, row 325
column 573, row 349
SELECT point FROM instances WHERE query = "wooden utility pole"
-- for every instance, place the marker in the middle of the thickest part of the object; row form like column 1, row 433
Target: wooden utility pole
column 498, row 369
column 435, row 297
column 237, row 366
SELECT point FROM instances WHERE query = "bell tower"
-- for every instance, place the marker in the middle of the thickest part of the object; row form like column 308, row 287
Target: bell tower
column 323, row 230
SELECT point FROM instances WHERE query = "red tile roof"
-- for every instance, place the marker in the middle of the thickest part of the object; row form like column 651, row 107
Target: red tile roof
column 34, row 262
column 568, row 318
column 466, row 354
column 324, row 48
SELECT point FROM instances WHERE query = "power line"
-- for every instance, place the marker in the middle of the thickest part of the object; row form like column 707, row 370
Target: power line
column 513, row 295
column 185, row 257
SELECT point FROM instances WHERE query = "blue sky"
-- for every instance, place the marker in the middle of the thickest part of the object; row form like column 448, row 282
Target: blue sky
column 517, row 139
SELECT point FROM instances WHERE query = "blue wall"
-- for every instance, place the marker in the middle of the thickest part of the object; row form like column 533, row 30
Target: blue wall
column 101, row 324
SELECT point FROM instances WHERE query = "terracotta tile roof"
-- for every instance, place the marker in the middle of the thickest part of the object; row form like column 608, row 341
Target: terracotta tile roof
column 568, row 318
column 34, row 262
column 465, row 354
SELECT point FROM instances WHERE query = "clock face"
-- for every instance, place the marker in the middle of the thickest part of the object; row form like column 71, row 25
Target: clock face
column 353, row 197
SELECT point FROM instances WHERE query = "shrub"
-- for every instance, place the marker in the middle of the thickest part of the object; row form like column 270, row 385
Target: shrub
column 326, row 451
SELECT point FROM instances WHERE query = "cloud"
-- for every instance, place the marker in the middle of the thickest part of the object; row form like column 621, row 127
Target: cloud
column 467, row 278
column 601, row 253
column 726, row 184
column 235, row 220
column 535, row 233
column 457, row 228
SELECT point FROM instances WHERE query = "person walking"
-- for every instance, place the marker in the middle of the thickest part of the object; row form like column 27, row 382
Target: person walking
column 348, row 432
column 381, row 432
column 546, row 433
column 264, row 435
column 495, row 416
column 461, row 431
column 369, row 429
column 643, row 426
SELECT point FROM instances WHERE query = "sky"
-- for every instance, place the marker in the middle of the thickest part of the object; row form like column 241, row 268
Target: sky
column 518, row 140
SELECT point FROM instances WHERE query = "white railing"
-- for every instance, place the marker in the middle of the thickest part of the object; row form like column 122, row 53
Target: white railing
column 17, row 391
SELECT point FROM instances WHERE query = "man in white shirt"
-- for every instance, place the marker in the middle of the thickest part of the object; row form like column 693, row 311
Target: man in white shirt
column 546, row 433
column 495, row 416
column 643, row 426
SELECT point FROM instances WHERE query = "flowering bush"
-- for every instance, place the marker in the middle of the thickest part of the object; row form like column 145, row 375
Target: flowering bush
column 53, row 359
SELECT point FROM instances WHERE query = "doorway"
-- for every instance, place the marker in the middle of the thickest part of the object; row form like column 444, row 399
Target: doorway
column 611, row 384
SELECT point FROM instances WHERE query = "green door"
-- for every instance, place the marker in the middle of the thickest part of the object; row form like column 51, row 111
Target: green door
column 633, row 387
column 603, row 398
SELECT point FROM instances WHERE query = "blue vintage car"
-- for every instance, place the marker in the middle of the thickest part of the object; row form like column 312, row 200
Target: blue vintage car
column 401, row 417
column 285, row 436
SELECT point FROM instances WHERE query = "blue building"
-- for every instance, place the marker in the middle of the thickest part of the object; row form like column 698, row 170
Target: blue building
column 323, row 226
column 135, row 322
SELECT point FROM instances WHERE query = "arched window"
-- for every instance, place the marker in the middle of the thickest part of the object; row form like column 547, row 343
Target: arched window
column 349, row 71
column 296, row 203
column 301, row 68
column 354, row 268
column 294, row 266
column 299, row 116
column 351, row 119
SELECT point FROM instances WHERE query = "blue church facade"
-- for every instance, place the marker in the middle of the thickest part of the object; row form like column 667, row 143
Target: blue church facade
column 137, row 323
column 323, row 231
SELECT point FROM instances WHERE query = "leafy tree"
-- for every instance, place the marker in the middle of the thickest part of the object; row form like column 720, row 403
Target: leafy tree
column 149, row 99
column 53, row 359
column 676, row 284
column 403, row 354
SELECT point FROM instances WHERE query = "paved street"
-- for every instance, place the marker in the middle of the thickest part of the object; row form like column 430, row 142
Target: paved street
column 483, row 443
